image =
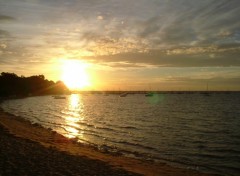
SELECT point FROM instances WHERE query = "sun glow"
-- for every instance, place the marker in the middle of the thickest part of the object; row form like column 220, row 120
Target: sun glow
column 72, row 126
column 74, row 74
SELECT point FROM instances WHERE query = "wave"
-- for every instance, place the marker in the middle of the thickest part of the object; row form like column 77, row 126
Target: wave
column 129, row 127
column 184, row 129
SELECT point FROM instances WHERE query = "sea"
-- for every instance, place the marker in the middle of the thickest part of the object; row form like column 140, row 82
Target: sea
column 188, row 130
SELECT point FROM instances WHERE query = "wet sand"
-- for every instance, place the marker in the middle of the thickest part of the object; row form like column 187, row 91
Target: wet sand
column 29, row 149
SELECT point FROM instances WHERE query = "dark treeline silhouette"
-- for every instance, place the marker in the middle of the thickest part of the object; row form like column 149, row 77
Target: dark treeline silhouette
column 13, row 85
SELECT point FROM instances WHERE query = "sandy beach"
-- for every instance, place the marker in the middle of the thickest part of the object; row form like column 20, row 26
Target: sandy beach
column 29, row 149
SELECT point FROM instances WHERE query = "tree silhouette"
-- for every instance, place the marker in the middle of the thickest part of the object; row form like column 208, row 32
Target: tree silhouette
column 13, row 85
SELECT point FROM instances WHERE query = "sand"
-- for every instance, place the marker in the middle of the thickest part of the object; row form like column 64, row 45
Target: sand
column 29, row 149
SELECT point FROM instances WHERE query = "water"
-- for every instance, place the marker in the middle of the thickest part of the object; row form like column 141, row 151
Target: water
column 192, row 131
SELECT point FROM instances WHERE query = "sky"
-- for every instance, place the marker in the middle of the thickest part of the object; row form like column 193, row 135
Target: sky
column 127, row 44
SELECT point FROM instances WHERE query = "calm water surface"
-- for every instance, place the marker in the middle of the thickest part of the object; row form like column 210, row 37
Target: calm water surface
column 186, row 130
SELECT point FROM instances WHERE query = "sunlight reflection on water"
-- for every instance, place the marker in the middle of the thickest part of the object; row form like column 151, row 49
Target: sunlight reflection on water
column 75, row 106
column 187, row 130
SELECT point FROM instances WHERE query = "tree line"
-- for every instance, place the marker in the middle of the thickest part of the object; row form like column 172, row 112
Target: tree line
column 13, row 85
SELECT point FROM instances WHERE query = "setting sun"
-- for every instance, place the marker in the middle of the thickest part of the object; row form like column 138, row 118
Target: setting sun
column 74, row 74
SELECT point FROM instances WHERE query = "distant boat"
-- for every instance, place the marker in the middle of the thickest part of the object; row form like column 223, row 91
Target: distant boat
column 149, row 94
column 206, row 93
column 123, row 94
column 59, row 97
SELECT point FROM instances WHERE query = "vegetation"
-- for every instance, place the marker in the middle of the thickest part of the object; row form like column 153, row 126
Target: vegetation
column 13, row 85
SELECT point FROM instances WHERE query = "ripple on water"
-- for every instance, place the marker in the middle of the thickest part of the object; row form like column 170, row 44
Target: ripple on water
column 187, row 130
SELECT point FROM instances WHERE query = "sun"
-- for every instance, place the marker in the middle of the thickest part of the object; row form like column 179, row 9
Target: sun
column 74, row 74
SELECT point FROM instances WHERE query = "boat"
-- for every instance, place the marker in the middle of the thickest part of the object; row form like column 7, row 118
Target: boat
column 149, row 94
column 59, row 97
column 206, row 93
column 123, row 94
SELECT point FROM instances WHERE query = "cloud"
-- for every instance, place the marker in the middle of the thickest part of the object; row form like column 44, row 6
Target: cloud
column 3, row 46
column 158, row 33
column 4, row 18
column 4, row 33
column 150, row 27
column 188, row 23
column 179, row 57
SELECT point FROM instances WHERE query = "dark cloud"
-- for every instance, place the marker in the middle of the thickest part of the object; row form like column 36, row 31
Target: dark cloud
column 6, row 18
column 4, row 33
column 190, row 57
column 124, row 65
column 150, row 27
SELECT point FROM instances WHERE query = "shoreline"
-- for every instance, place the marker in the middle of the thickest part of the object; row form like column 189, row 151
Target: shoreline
column 23, row 130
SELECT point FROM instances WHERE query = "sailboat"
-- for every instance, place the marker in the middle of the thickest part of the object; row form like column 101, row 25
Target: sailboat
column 206, row 93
